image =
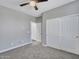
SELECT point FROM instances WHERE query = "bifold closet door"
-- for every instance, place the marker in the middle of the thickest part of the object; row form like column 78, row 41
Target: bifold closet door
column 63, row 33
column 70, row 33
column 53, row 33
column 68, row 29
column 76, row 35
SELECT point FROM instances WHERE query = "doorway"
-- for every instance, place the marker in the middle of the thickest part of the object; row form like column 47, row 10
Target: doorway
column 36, row 31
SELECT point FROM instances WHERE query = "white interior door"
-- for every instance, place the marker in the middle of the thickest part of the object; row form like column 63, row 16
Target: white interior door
column 53, row 33
column 33, row 30
column 36, row 31
column 38, row 27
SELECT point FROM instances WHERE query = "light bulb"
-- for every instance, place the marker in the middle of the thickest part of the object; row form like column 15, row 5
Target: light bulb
column 32, row 3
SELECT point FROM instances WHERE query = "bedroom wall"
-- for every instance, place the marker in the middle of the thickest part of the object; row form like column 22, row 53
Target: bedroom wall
column 68, row 9
column 14, row 29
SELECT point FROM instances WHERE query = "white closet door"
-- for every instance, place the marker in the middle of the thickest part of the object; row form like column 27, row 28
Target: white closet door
column 63, row 33
column 68, row 29
column 53, row 33
column 76, row 35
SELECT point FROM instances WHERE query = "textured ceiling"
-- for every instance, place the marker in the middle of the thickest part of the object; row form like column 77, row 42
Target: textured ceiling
column 45, row 6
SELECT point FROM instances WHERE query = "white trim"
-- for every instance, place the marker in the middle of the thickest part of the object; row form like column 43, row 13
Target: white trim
column 44, row 45
column 5, row 50
column 63, row 49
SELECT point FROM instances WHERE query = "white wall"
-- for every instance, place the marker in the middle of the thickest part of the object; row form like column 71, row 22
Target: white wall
column 14, row 29
column 69, row 9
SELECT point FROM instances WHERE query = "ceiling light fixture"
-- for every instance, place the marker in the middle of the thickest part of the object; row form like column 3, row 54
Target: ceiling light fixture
column 32, row 3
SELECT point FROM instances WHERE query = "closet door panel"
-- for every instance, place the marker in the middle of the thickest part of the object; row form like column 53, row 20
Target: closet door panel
column 53, row 32
column 67, row 30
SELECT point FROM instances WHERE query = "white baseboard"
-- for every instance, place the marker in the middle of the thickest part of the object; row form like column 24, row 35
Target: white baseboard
column 5, row 50
column 64, row 49
column 44, row 44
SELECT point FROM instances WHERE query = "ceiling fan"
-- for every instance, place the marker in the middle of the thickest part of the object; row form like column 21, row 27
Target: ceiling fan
column 33, row 3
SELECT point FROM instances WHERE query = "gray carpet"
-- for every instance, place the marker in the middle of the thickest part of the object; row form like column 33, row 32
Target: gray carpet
column 37, row 51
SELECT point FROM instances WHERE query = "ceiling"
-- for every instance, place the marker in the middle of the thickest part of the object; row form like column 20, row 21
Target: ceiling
column 44, row 6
